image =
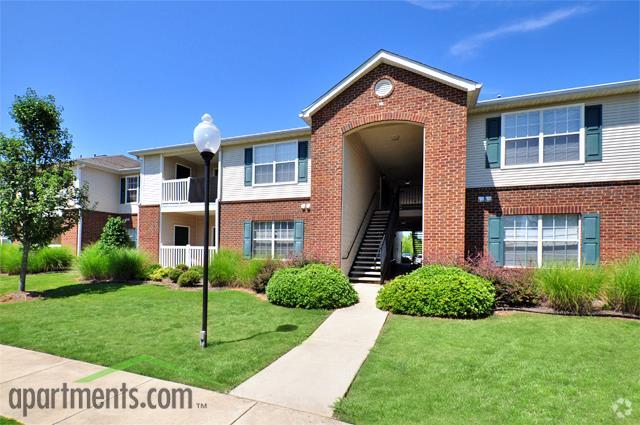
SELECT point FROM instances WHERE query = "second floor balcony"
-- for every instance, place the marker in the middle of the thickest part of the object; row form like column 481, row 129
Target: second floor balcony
column 188, row 190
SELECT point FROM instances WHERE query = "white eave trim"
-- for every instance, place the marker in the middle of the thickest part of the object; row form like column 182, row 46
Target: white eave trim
column 394, row 60
column 235, row 140
column 571, row 94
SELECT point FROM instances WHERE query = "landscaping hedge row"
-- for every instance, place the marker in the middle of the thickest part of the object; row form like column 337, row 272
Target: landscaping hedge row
column 47, row 259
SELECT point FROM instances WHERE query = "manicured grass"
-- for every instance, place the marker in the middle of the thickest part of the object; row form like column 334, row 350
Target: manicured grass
column 38, row 282
column 517, row 369
column 110, row 323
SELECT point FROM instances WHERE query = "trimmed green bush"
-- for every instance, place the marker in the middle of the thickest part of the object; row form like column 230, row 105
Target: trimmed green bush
column 98, row 263
column 182, row 267
column 269, row 267
column 623, row 286
column 570, row 289
column 47, row 259
column 158, row 274
column 198, row 269
column 312, row 286
column 174, row 274
column 439, row 291
column 189, row 278
column 115, row 234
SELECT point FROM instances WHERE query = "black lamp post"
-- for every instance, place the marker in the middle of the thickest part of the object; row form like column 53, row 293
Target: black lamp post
column 206, row 136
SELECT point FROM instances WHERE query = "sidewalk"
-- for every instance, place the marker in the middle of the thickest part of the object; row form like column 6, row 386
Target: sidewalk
column 312, row 376
column 29, row 369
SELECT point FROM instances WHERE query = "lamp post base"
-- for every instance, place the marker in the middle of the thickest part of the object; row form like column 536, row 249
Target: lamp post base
column 203, row 339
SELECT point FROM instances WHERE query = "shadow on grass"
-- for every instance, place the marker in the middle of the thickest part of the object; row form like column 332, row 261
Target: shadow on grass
column 281, row 328
column 86, row 288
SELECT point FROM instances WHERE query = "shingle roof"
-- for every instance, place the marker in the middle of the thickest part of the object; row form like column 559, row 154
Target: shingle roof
column 111, row 162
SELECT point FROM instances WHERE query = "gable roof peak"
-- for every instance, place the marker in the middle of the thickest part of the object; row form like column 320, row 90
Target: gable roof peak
column 389, row 58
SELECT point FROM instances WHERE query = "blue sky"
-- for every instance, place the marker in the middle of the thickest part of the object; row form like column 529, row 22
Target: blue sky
column 140, row 74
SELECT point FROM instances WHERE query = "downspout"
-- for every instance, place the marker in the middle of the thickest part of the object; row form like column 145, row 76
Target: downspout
column 79, row 235
column 217, row 241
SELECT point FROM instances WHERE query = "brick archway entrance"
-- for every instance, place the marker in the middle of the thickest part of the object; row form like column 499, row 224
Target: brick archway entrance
column 441, row 109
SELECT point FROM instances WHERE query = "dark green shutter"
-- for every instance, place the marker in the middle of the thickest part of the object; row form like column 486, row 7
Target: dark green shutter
column 496, row 240
column 248, row 166
column 492, row 132
column 123, row 190
column 593, row 132
column 590, row 239
column 298, row 237
column 303, row 157
column 246, row 240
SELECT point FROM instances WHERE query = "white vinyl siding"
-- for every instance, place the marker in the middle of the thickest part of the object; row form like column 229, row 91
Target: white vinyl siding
column 620, row 151
column 232, row 180
column 151, row 181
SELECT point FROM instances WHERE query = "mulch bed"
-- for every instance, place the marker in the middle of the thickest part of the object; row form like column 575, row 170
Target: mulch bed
column 16, row 297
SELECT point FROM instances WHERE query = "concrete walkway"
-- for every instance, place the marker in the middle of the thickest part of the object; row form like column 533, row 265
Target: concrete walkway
column 25, row 369
column 312, row 376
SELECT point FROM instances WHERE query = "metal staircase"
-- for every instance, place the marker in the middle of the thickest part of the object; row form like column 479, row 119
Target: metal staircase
column 367, row 268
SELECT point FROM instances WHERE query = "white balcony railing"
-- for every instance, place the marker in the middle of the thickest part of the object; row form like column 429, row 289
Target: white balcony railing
column 175, row 191
column 171, row 256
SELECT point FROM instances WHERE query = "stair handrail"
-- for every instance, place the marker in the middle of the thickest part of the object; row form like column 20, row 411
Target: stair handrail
column 383, row 249
column 367, row 213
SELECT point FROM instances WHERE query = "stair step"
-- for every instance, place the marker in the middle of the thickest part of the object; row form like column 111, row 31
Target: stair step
column 361, row 267
column 364, row 279
column 367, row 260
column 359, row 273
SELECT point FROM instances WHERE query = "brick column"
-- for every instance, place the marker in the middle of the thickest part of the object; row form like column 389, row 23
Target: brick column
column 149, row 230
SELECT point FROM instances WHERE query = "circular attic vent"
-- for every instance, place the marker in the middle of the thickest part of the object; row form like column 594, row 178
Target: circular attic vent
column 383, row 88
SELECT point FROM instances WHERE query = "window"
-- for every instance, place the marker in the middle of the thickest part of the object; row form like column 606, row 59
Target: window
column 132, row 189
column 272, row 239
column 133, row 235
column 538, row 240
column 544, row 136
column 182, row 171
column 275, row 163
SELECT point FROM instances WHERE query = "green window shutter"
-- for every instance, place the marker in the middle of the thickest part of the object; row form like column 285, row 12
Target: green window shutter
column 590, row 239
column 246, row 240
column 123, row 190
column 298, row 236
column 303, row 160
column 496, row 240
column 593, row 132
column 248, row 166
column 492, row 132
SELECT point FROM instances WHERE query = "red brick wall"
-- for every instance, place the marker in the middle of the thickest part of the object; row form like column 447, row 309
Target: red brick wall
column 234, row 214
column 617, row 204
column 70, row 239
column 92, row 224
column 442, row 111
column 149, row 230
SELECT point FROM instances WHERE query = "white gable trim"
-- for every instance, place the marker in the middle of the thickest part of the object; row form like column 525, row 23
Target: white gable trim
column 394, row 60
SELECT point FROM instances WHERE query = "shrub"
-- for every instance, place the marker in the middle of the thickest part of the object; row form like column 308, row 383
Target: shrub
column 440, row 291
column 623, row 286
column 47, row 259
column 224, row 268
column 514, row 287
column 115, row 234
column 311, row 286
column 98, row 263
column 570, row 289
column 249, row 271
column 198, row 269
column 259, row 283
column 182, row 267
column 174, row 274
column 189, row 278
column 158, row 274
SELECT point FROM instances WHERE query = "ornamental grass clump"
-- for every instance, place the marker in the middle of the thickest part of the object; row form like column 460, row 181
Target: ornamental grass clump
column 623, row 285
column 314, row 286
column 46, row 259
column 571, row 289
column 99, row 263
column 438, row 291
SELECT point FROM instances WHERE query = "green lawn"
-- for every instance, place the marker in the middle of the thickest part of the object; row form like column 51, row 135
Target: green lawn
column 38, row 282
column 110, row 323
column 518, row 369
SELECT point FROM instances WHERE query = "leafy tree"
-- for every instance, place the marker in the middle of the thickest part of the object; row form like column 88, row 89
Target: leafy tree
column 38, row 198
column 407, row 243
column 114, row 234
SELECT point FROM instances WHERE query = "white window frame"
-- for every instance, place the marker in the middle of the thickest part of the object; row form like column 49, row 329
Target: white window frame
column 188, row 234
column 541, row 135
column 272, row 239
column 273, row 165
column 182, row 165
column 540, row 239
column 126, row 189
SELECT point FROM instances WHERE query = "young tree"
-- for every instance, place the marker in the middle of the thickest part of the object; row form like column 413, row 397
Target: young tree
column 114, row 234
column 38, row 197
